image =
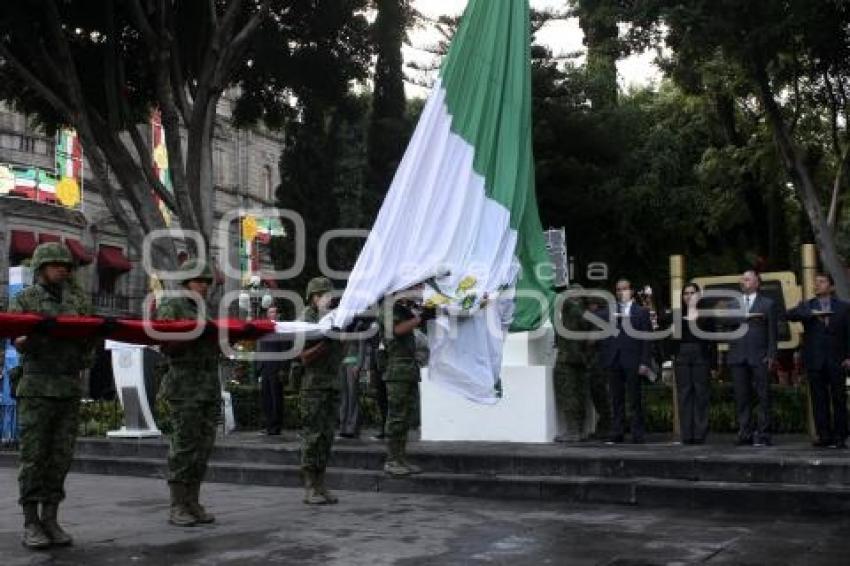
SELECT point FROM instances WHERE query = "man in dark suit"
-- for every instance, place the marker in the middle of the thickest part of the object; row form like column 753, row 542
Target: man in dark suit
column 751, row 358
column 271, row 380
column 826, row 353
column 625, row 356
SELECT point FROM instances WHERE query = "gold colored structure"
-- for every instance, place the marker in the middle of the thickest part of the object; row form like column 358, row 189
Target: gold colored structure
column 790, row 292
column 677, row 279
column 809, row 269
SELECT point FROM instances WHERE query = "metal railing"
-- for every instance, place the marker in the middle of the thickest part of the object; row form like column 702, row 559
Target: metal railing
column 111, row 303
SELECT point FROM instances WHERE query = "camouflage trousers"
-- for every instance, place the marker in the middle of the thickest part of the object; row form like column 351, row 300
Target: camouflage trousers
column 574, row 384
column 192, row 439
column 319, row 412
column 401, row 400
column 48, row 432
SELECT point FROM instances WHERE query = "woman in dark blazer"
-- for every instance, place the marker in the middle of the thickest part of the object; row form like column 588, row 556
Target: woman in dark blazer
column 693, row 359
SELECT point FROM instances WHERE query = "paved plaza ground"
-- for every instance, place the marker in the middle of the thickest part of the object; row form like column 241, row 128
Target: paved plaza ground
column 121, row 520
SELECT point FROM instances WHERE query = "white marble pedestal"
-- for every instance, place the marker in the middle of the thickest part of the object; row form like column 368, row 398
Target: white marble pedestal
column 128, row 369
column 526, row 412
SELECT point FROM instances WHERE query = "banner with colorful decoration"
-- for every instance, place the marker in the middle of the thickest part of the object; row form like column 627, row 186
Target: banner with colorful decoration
column 69, row 168
column 160, row 162
column 256, row 231
column 39, row 184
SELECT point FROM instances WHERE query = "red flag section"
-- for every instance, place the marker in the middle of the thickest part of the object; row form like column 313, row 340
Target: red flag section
column 133, row 331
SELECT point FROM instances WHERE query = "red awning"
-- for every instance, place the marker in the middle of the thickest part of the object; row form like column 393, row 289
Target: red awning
column 81, row 255
column 111, row 258
column 22, row 243
column 44, row 238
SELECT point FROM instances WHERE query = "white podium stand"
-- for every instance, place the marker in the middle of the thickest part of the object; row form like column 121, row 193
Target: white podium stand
column 128, row 369
column 526, row 412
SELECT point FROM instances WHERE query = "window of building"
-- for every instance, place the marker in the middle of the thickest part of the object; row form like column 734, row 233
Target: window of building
column 221, row 166
column 112, row 264
column 9, row 141
column 268, row 190
column 27, row 143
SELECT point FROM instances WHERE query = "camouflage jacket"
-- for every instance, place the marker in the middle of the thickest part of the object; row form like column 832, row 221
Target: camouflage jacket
column 573, row 352
column 192, row 366
column 322, row 373
column 401, row 350
column 51, row 366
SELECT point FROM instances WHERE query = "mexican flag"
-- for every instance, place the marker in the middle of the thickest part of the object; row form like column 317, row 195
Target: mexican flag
column 461, row 213
column 69, row 155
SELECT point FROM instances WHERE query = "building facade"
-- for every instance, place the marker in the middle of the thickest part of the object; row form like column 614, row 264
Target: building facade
column 245, row 176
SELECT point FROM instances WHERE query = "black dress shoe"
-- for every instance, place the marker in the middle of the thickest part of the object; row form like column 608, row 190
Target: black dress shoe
column 638, row 440
column 841, row 445
column 762, row 442
column 698, row 441
column 616, row 439
column 744, row 442
column 822, row 443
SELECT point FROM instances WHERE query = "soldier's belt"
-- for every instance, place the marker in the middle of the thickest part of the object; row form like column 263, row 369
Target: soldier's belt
column 50, row 368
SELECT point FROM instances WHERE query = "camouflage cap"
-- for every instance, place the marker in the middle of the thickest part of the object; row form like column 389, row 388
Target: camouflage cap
column 51, row 252
column 193, row 269
column 318, row 285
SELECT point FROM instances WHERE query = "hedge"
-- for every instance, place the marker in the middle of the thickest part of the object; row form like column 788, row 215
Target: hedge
column 788, row 410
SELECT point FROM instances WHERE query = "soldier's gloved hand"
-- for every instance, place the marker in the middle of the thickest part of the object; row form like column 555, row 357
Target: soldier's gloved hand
column 428, row 313
column 44, row 326
column 109, row 325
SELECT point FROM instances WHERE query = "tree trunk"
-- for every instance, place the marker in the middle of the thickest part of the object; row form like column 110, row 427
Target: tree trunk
column 802, row 180
column 838, row 183
column 751, row 193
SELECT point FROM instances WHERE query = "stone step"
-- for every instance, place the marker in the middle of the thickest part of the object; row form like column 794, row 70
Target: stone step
column 728, row 496
column 718, row 464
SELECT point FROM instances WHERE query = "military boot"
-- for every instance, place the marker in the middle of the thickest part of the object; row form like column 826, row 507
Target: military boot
column 34, row 536
column 322, row 490
column 194, row 505
column 57, row 536
column 414, row 469
column 395, row 465
column 180, row 514
column 312, row 496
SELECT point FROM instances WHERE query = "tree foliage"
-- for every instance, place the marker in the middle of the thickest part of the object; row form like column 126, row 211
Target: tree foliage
column 101, row 66
column 787, row 64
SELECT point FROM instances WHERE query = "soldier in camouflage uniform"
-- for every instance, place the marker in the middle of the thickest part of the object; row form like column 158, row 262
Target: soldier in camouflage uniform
column 597, row 379
column 320, row 393
column 193, row 392
column 49, row 394
column 576, row 372
column 402, row 379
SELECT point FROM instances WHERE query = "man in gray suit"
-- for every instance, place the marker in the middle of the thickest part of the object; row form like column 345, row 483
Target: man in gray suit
column 751, row 358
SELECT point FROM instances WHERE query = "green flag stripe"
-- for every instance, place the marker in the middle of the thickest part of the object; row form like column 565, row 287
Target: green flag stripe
column 487, row 79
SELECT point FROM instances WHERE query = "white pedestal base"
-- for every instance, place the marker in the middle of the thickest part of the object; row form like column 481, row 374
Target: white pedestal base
column 526, row 412
column 128, row 369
